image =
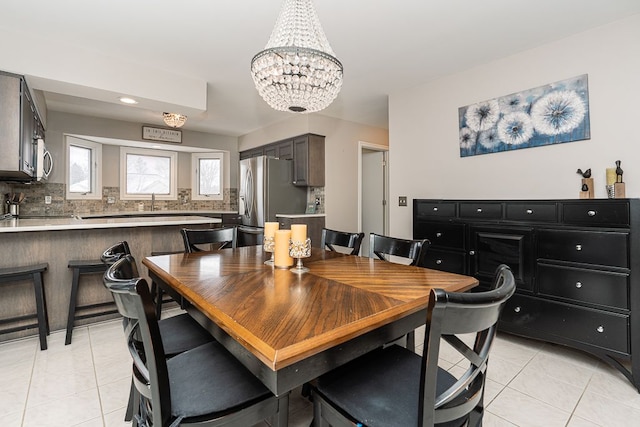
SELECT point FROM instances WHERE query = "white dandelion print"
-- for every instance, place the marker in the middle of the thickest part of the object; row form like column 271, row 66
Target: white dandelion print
column 545, row 115
column 558, row 112
column 515, row 128
column 483, row 116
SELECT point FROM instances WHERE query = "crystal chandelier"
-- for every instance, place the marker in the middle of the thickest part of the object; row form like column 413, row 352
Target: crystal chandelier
column 174, row 120
column 297, row 71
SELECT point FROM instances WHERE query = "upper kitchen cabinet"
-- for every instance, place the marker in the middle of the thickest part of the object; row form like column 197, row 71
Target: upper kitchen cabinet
column 308, row 160
column 20, row 127
column 307, row 153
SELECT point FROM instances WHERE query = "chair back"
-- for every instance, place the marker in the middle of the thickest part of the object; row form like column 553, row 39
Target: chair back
column 225, row 237
column 383, row 246
column 449, row 315
column 114, row 252
column 250, row 236
column 332, row 238
column 150, row 374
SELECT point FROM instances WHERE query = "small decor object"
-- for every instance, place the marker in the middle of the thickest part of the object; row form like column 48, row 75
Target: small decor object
column 297, row 71
column 160, row 134
column 299, row 250
column 269, row 243
column 586, row 189
column 550, row 114
column 618, row 186
column 282, row 239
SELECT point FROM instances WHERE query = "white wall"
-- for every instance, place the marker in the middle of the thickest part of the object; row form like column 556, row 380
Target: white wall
column 424, row 154
column 341, row 159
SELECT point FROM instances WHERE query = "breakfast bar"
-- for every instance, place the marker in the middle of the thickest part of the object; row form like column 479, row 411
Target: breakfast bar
column 57, row 240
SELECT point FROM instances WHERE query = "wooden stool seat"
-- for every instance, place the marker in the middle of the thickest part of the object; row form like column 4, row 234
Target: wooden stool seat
column 34, row 273
column 80, row 267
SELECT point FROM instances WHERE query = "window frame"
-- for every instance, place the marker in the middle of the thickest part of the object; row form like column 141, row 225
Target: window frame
column 173, row 177
column 195, row 175
column 96, row 169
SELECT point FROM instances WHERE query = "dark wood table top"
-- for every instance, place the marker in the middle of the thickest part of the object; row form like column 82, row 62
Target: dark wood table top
column 282, row 317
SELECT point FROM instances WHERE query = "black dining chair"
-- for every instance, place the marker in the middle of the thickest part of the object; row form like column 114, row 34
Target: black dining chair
column 395, row 387
column 178, row 333
column 333, row 240
column 249, row 236
column 212, row 238
column 382, row 247
column 204, row 386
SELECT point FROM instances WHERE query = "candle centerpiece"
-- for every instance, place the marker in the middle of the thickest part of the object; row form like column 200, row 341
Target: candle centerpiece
column 282, row 259
column 300, row 246
column 269, row 242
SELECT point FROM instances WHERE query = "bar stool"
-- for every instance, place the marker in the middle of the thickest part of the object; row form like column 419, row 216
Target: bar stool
column 79, row 268
column 29, row 272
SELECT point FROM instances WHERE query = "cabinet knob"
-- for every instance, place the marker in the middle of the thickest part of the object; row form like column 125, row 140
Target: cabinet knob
column 578, row 247
column 529, row 211
column 438, row 234
column 517, row 309
column 435, row 209
column 472, row 252
column 438, row 261
column 578, row 285
column 600, row 329
column 479, row 210
column 591, row 213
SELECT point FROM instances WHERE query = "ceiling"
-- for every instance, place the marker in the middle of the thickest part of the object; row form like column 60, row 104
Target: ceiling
column 384, row 45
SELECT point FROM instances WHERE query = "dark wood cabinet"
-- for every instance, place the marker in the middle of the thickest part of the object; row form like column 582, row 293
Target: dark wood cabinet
column 315, row 224
column 576, row 264
column 307, row 153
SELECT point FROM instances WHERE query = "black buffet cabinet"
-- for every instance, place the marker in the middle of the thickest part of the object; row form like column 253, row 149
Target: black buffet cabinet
column 576, row 264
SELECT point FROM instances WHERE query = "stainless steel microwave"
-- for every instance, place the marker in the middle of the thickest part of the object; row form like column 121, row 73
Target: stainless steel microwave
column 44, row 161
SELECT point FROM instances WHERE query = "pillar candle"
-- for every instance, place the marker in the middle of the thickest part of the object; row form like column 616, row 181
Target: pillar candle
column 299, row 232
column 282, row 259
column 270, row 228
column 611, row 176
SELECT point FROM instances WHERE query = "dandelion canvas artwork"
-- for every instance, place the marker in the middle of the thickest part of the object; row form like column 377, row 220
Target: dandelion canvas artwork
column 549, row 114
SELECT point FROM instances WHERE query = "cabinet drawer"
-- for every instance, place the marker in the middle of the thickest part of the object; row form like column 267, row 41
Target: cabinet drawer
column 426, row 209
column 481, row 210
column 610, row 213
column 444, row 261
column 604, row 288
column 543, row 212
column 440, row 234
column 584, row 325
column 591, row 247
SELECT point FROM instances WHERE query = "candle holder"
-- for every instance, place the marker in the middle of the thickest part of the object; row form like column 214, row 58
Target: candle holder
column 300, row 250
column 269, row 245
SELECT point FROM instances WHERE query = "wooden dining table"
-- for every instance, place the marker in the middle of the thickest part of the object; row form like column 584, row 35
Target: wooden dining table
column 289, row 328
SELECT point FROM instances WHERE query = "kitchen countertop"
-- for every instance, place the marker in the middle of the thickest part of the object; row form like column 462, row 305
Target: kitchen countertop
column 70, row 223
column 300, row 215
column 155, row 213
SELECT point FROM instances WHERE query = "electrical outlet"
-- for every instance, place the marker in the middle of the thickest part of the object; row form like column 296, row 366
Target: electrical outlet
column 402, row 201
column 111, row 199
column 47, row 200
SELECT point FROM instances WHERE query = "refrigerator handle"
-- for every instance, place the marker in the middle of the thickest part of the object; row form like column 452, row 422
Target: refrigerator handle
column 249, row 195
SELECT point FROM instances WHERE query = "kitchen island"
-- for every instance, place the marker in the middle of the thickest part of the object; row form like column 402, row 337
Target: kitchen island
column 58, row 240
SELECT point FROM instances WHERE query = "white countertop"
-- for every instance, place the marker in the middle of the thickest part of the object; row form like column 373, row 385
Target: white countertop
column 299, row 215
column 155, row 213
column 51, row 224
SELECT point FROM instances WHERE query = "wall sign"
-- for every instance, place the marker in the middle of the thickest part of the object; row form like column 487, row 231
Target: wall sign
column 550, row 114
column 161, row 134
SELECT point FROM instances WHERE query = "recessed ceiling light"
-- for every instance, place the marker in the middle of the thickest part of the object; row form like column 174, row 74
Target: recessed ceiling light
column 127, row 100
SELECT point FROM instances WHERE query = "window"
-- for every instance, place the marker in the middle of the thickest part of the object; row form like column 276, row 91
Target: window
column 144, row 173
column 207, row 176
column 84, row 169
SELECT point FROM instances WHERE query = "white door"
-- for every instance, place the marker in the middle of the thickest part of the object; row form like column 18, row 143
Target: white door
column 373, row 194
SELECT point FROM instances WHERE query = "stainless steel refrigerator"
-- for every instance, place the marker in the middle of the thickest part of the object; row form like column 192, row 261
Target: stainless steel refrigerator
column 266, row 189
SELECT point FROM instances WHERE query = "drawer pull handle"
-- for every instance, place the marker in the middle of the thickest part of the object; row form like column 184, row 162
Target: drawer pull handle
column 438, row 234
column 529, row 211
column 578, row 247
column 517, row 309
column 472, row 252
column 600, row 329
column 578, row 285
column 438, row 261
column 479, row 210
column 435, row 209
column 591, row 213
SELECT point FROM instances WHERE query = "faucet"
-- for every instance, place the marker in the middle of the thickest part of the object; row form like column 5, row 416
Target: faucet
column 153, row 201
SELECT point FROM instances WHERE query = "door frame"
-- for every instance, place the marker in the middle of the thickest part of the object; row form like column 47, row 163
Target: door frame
column 362, row 145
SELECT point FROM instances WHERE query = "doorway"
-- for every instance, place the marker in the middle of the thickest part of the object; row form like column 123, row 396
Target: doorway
column 372, row 191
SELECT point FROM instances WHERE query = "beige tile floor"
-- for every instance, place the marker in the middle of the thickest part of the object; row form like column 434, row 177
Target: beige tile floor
column 87, row 384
